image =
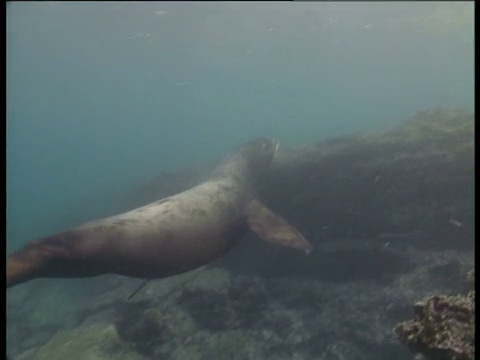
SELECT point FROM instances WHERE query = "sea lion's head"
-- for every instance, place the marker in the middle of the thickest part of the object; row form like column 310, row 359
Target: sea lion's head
column 259, row 153
column 250, row 161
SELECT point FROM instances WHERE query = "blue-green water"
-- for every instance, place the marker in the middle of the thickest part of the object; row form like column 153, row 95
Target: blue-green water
column 103, row 95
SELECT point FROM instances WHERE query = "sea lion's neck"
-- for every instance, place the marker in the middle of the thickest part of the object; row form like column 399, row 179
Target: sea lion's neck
column 239, row 169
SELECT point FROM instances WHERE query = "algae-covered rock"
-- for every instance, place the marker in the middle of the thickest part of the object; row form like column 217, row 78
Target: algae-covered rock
column 141, row 328
column 443, row 327
column 417, row 176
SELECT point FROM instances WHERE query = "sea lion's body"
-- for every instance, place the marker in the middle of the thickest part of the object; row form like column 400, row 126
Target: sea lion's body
column 167, row 237
column 170, row 236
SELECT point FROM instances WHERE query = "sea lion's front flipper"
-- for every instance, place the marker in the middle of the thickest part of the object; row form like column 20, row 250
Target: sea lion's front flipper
column 271, row 227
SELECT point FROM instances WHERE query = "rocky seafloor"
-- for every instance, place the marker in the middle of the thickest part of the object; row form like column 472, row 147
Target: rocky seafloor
column 391, row 216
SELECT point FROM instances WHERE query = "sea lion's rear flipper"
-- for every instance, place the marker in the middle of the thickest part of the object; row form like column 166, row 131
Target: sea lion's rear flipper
column 271, row 227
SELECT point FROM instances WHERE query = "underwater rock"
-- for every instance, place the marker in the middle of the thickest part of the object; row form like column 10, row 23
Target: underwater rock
column 240, row 306
column 443, row 328
column 140, row 327
column 416, row 177
column 94, row 342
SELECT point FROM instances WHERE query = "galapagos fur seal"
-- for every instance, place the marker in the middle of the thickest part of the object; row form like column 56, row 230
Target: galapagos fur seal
column 167, row 237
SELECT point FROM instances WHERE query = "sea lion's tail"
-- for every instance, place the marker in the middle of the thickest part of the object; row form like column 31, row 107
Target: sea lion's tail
column 28, row 263
column 51, row 256
column 62, row 255
column 16, row 272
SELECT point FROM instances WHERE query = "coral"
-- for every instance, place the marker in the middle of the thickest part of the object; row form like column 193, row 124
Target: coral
column 443, row 327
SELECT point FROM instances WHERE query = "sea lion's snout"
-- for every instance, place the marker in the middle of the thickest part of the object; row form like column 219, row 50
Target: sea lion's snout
column 259, row 151
column 277, row 146
column 269, row 146
column 266, row 152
